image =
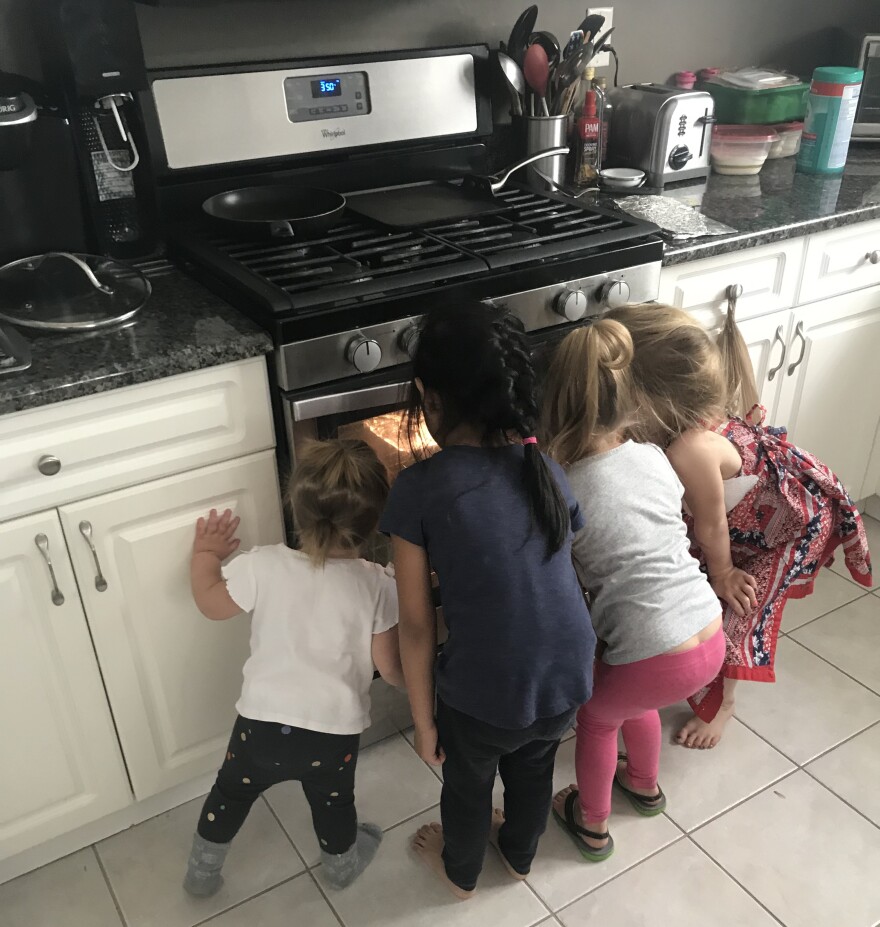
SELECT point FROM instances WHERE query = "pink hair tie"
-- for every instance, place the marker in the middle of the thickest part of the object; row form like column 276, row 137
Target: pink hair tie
column 530, row 440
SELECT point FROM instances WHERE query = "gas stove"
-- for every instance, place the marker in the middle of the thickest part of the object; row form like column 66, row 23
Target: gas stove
column 343, row 304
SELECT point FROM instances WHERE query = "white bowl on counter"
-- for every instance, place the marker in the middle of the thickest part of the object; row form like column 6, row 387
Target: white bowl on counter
column 622, row 178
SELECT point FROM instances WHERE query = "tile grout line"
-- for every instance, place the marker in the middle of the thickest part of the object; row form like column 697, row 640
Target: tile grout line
column 617, row 875
column 316, row 882
column 736, row 881
column 94, row 848
column 834, row 666
column 830, row 611
column 831, row 749
column 277, row 820
column 250, row 898
column 841, row 798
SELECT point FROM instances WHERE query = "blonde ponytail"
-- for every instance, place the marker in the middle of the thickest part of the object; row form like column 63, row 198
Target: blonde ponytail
column 736, row 365
column 587, row 393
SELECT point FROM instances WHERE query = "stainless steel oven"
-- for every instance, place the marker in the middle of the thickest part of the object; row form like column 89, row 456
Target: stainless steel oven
column 867, row 124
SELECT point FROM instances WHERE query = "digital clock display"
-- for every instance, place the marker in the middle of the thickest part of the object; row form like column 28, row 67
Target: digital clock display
column 327, row 87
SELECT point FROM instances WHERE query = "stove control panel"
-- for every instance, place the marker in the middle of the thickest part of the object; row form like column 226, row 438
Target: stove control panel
column 391, row 344
column 327, row 96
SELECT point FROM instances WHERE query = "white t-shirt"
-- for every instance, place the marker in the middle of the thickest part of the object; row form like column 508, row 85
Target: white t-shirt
column 311, row 634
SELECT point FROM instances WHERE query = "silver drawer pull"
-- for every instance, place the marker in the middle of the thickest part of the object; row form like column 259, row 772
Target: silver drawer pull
column 771, row 374
column 798, row 333
column 48, row 465
column 85, row 529
column 873, row 256
column 42, row 543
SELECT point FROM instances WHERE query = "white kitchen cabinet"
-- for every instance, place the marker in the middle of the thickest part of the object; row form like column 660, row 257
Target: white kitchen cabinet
column 172, row 676
column 767, row 338
column 61, row 766
column 830, row 398
column 840, row 261
column 768, row 276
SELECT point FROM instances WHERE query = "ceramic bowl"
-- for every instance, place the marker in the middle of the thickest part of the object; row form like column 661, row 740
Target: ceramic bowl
column 620, row 178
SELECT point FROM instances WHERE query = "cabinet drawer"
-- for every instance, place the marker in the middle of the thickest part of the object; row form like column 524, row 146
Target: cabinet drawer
column 839, row 261
column 768, row 276
column 133, row 434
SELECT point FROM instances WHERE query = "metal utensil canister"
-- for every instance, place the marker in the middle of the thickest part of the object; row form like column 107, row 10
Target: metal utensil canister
column 538, row 133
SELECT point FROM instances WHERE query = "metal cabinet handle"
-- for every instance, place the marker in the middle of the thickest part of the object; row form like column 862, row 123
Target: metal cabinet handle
column 85, row 529
column 798, row 333
column 771, row 374
column 873, row 256
column 42, row 543
column 48, row 465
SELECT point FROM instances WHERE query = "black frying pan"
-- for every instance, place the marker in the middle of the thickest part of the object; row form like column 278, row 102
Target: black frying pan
column 276, row 210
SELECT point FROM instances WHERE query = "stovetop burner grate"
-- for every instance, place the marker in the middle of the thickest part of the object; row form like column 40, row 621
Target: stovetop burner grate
column 357, row 261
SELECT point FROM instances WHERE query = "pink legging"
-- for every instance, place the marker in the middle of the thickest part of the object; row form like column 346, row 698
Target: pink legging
column 627, row 696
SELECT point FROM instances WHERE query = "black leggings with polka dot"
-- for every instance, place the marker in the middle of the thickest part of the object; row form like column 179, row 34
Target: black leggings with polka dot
column 262, row 754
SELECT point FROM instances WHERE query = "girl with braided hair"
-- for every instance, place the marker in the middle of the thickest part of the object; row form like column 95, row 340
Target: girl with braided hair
column 494, row 518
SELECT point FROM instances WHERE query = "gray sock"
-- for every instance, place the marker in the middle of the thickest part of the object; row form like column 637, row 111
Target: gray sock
column 340, row 870
column 203, row 867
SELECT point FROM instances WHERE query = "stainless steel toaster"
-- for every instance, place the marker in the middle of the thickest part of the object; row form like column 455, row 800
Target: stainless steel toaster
column 663, row 131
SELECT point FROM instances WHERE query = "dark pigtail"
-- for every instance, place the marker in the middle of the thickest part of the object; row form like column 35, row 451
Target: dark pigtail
column 548, row 506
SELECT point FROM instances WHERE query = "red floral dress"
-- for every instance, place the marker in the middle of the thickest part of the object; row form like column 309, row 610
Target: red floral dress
column 784, row 530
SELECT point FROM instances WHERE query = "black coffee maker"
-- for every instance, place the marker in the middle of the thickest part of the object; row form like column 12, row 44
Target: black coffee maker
column 75, row 171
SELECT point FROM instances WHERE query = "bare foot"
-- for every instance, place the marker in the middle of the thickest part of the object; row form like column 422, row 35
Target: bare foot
column 703, row 735
column 497, row 821
column 428, row 844
column 598, row 827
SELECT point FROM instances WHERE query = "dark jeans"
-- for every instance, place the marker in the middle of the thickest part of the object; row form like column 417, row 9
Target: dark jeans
column 475, row 751
column 262, row 754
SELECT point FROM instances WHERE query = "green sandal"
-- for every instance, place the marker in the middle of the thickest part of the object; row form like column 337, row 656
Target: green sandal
column 575, row 831
column 647, row 807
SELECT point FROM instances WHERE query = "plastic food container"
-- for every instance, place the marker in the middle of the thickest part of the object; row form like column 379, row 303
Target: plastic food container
column 789, row 141
column 741, row 106
column 740, row 149
column 685, row 80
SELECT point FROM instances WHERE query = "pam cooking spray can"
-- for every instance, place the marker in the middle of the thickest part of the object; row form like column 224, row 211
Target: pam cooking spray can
column 831, row 111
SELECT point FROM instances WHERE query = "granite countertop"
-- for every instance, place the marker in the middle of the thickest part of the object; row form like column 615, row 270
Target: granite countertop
column 780, row 203
column 183, row 327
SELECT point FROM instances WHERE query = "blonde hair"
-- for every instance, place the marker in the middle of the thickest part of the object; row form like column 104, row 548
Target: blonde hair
column 742, row 390
column 588, row 392
column 677, row 369
column 337, row 493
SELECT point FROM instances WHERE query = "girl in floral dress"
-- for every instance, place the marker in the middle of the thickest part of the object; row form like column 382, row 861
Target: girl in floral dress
column 763, row 515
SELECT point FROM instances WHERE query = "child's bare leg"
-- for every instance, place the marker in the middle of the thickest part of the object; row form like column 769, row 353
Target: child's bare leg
column 703, row 735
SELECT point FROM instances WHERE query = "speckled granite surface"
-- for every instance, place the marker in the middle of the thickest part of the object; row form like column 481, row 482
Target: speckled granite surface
column 183, row 327
column 780, row 203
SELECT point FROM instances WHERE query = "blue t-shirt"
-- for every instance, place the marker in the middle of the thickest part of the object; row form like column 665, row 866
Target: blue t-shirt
column 521, row 642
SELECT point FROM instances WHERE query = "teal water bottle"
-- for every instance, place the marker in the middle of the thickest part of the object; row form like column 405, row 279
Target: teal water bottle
column 831, row 112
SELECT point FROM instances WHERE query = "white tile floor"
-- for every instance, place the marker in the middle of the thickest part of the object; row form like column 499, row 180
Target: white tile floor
column 779, row 825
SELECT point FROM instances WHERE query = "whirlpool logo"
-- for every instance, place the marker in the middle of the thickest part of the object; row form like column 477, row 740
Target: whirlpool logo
column 332, row 133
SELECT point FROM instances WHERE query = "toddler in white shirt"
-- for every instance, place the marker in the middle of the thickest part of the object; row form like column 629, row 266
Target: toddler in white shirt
column 321, row 618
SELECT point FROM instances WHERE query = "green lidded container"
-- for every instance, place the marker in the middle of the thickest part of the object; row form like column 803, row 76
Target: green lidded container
column 744, row 107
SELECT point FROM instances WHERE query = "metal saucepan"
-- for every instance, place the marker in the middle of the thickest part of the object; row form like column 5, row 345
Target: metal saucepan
column 276, row 210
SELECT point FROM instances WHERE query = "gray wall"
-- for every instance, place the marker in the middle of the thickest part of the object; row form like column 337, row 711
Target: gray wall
column 654, row 37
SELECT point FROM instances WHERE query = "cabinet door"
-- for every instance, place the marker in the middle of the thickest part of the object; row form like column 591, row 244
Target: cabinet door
column 172, row 675
column 831, row 390
column 61, row 766
column 767, row 339
column 768, row 276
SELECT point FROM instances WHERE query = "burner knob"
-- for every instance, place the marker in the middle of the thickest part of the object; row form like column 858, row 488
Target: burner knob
column 571, row 304
column 363, row 354
column 614, row 293
column 409, row 340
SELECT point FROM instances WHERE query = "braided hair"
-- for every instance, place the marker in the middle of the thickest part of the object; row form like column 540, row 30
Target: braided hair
column 476, row 359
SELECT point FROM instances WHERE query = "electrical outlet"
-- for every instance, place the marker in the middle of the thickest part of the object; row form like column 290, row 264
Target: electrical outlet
column 603, row 60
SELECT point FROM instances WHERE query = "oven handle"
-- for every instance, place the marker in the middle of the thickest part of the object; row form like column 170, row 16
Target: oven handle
column 387, row 394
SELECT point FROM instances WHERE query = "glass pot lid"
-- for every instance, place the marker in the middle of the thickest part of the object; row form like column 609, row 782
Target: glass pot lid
column 58, row 291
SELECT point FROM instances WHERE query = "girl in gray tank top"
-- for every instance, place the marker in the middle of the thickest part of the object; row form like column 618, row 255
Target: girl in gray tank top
column 652, row 607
